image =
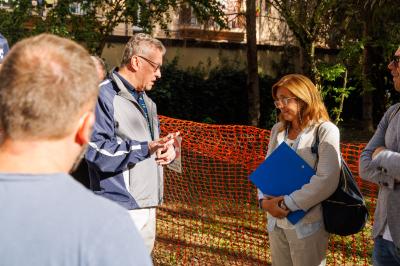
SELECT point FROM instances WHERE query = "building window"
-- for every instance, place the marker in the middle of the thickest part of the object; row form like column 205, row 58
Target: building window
column 232, row 8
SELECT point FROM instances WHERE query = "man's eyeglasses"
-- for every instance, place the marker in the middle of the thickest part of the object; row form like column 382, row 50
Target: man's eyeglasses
column 153, row 64
column 396, row 60
column 283, row 101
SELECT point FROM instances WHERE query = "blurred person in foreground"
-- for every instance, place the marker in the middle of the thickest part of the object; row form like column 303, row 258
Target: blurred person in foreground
column 124, row 155
column 4, row 48
column 100, row 67
column 46, row 112
column 301, row 113
column 379, row 163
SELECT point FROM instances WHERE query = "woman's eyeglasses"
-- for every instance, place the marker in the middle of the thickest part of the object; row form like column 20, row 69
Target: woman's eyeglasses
column 283, row 101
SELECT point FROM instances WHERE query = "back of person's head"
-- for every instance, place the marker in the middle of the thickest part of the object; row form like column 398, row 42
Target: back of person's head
column 100, row 67
column 3, row 48
column 140, row 44
column 43, row 91
column 313, row 109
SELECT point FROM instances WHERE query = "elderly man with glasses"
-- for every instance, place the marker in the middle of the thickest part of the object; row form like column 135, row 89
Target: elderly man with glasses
column 125, row 155
column 379, row 163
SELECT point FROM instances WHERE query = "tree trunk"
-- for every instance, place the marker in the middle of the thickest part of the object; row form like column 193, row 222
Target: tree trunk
column 367, row 103
column 313, row 66
column 339, row 113
column 99, row 49
column 302, row 61
column 253, row 91
column 309, row 66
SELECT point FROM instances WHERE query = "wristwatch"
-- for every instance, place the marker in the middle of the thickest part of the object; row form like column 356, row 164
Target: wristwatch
column 282, row 205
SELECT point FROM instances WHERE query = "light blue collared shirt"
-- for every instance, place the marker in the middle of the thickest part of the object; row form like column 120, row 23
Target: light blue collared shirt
column 302, row 230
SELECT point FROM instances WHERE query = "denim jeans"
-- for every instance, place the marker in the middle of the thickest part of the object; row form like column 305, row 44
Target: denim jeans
column 385, row 253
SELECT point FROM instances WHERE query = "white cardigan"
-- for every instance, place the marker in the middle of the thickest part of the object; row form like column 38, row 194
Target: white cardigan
column 325, row 182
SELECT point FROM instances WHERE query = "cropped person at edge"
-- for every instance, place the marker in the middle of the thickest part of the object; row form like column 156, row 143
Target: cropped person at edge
column 379, row 163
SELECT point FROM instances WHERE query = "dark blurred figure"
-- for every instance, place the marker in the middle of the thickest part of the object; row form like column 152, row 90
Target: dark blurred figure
column 100, row 67
column 80, row 171
column 3, row 48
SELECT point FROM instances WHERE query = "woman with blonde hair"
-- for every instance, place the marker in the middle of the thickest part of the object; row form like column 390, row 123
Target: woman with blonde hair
column 302, row 115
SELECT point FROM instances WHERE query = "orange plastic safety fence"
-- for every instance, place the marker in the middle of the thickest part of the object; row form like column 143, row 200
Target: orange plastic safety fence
column 210, row 214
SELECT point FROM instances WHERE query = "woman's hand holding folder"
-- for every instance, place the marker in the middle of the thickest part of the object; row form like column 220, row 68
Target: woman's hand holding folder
column 271, row 205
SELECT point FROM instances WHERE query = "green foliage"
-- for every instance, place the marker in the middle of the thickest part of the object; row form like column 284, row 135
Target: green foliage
column 13, row 21
column 179, row 93
column 366, row 32
column 334, row 78
column 310, row 21
column 330, row 74
column 373, row 25
column 216, row 95
column 98, row 18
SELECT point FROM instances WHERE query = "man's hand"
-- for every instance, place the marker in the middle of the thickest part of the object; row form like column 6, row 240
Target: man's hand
column 161, row 144
column 166, row 156
column 271, row 205
column 164, row 148
column 377, row 151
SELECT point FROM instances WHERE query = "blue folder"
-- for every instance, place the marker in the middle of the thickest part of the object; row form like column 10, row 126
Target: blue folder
column 282, row 173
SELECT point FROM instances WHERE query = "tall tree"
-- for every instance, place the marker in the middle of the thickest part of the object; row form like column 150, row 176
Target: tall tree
column 13, row 20
column 375, row 15
column 373, row 23
column 253, row 90
column 308, row 20
column 370, row 22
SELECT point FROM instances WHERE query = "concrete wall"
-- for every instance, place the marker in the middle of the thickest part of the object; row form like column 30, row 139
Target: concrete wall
column 210, row 55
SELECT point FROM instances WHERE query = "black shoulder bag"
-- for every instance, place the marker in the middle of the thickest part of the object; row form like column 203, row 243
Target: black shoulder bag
column 344, row 212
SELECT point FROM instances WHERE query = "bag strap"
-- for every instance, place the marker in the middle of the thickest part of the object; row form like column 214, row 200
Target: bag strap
column 314, row 147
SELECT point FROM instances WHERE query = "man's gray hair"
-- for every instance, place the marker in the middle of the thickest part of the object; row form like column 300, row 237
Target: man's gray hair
column 140, row 44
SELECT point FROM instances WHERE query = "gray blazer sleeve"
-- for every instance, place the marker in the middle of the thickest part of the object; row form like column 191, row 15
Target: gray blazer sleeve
column 326, row 180
column 385, row 167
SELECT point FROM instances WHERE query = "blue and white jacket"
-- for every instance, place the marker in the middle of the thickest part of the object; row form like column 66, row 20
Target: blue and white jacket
column 120, row 166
